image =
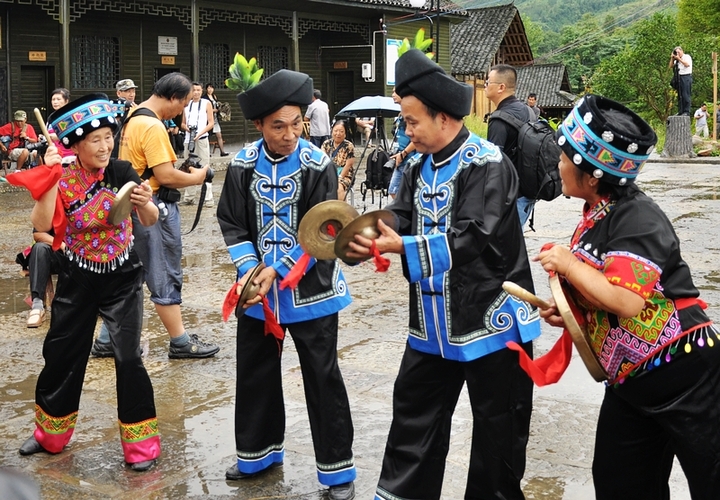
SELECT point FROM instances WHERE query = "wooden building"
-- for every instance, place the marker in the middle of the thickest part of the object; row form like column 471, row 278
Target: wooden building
column 551, row 84
column 496, row 35
column 88, row 45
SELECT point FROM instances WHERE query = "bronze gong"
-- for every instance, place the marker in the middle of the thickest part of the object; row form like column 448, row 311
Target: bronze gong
column 576, row 326
column 571, row 315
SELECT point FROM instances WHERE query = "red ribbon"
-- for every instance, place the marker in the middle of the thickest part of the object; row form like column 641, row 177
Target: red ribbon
column 546, row 369
column 272, row 327
column 231, row 301
column 381, row 263
column 296, row 273
column 549, row 368
column 38, row 181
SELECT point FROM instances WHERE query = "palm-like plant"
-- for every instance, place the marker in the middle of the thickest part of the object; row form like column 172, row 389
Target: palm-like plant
column 244, row 74
column 419, row 42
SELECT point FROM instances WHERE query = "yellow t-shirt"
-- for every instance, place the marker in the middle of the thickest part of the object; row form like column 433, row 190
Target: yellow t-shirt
column 145, row 144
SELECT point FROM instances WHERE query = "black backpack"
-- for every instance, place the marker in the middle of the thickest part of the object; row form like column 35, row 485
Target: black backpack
column 537, row 157
column 378, row 177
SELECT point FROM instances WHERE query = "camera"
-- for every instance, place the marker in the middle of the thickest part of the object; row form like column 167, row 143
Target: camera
column 191, row 141
column 674, row 52
column 194, row 162
column 39, row 146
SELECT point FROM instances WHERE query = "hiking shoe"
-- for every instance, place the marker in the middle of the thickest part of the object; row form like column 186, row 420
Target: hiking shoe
column 196, row 348
column 102, row 349
column 105, row 350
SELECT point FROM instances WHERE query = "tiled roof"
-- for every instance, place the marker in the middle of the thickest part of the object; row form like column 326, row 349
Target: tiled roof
column 475, row 41
column 445, row 5
column 549, row 81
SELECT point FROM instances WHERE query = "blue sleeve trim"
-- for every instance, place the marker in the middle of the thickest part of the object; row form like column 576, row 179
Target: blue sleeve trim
column 243, row 256
column 427, row 255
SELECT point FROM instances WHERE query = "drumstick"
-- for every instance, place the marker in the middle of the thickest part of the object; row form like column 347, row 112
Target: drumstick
column 522, row 294
column 41, row 122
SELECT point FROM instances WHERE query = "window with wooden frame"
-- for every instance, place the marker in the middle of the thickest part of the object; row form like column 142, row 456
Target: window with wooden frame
column 95, row 62
column 272, row 59
column 214, row 63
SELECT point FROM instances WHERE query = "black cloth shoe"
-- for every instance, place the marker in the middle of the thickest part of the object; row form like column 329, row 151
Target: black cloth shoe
column 233, row 474
column 31, row 446
column 342, row 491
column 142, row 466
column 193, row 349
column 224, row 153
column 102, row 349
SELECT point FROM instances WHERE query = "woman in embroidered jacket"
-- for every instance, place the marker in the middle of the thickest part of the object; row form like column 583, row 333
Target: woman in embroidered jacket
column 646, row 324
column 103, row 278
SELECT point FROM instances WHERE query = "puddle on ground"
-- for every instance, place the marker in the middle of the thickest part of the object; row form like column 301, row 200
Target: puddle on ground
column 690, row 215
column 13, row 292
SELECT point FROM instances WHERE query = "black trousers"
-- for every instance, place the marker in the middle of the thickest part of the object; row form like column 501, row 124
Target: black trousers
column 259, row 404
column 424, row 399
column 684, row 92
column 43, row 262
column 81, row 296
column 672, row 410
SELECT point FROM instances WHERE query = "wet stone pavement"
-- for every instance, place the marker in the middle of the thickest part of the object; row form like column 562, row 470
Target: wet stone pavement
column 195, row 398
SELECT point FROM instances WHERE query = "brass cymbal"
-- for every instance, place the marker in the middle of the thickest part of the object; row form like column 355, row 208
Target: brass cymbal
column 122, row 206
column 364, row 225
column 250, row 289
column 313, row 233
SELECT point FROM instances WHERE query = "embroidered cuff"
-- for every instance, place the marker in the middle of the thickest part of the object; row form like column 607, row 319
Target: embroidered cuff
column 427, row 255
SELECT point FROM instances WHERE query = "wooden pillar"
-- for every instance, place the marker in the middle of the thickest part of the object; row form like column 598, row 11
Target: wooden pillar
column 715, row 103
column 678, row 138
column 195, row 40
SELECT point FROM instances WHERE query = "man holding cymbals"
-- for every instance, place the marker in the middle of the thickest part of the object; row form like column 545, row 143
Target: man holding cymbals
column 460, row 238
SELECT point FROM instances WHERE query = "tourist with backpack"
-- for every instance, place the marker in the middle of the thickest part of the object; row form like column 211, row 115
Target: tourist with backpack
column 527, row 141
column 500, row 89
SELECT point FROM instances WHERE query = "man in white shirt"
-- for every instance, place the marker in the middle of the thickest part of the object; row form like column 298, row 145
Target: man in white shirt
column 198, row 121
column 683, row 65
column 318, row 114
column 701, row 121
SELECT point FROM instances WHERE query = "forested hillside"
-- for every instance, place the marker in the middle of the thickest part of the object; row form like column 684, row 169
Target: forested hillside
column 555, row 14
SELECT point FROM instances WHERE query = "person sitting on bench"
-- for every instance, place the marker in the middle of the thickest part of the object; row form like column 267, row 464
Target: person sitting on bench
column 20, row 132
column 366, row 126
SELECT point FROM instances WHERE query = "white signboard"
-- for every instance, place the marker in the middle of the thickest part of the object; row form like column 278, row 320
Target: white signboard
column 167, row 46
column 391, row 56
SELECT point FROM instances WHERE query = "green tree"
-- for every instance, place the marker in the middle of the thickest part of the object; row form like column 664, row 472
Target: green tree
column 699, row 17
column 586, row 45
column 540, row 39
column 639, row 75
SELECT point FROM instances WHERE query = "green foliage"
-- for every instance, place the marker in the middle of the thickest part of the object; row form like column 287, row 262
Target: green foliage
column 589, row 43
column 476, row 125
column 699, row 16
column 638, row 75
column 244, row 74
column 553, row 15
